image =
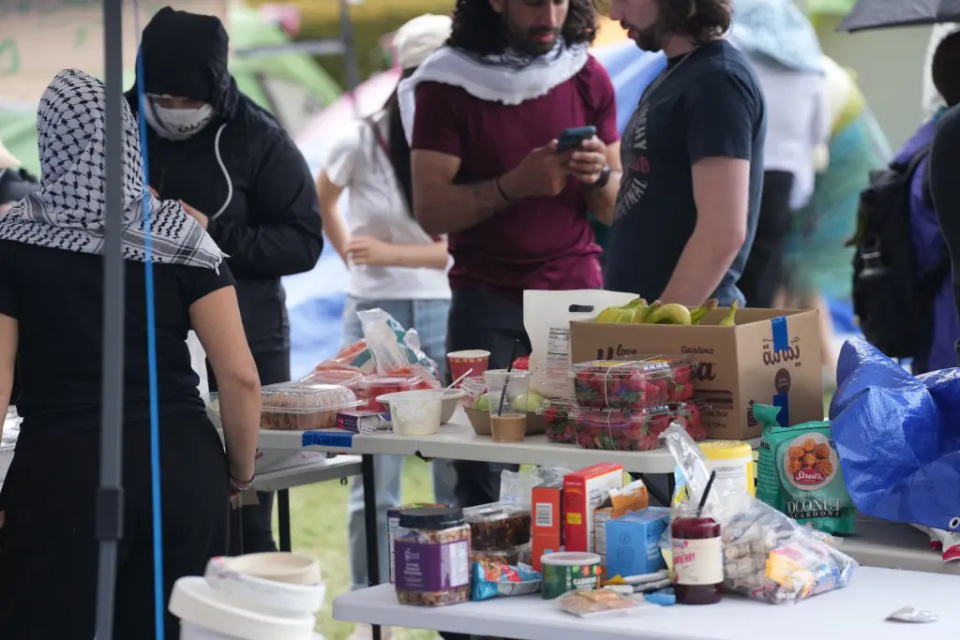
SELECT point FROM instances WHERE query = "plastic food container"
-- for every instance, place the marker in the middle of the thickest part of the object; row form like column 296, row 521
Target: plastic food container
column 512, row 556
column 628, row 385
column 689, row 414
column 432, row 552
column 414, row 413
column 559, row 417
column 393, row 522
column 292, row 406
column 245, row 588
column 621, row 431
column 373, row 387
column 498, row 525
column 678, row 385
column 473, row 387
column 733, row 462
column 569, row 571
column 342, row 377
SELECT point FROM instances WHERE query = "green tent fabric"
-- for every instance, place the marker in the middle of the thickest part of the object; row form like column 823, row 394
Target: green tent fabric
column 18, row 127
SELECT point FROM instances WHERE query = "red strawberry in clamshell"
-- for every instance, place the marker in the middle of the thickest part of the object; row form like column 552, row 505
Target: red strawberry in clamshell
column 685, row 392
column 683, row 374
column 522, row 364
column 649, row 443
column 694, row 420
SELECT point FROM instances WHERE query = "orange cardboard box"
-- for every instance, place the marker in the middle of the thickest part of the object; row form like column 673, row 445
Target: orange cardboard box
column 546, row 535
column 771, row 356
column 583, row 492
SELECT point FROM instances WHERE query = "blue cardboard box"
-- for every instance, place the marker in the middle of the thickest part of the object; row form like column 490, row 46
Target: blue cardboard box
column 633, row 542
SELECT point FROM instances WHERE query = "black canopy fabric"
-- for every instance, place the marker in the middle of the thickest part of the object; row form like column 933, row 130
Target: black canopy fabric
column 883, row 14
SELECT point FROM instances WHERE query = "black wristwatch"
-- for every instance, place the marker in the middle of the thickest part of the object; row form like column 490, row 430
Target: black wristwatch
column 604, row 178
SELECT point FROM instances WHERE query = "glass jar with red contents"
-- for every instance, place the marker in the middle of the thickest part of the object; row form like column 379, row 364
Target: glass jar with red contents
column 373, row 387
column 697, row 556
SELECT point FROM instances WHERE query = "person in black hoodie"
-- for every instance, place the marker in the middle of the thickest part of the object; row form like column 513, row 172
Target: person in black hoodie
column 236, row 171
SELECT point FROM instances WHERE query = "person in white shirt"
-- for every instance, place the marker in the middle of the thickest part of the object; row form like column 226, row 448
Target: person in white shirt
column 394, row 264
column 785, row 53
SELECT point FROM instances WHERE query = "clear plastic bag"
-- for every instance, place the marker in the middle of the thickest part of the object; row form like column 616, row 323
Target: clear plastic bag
column 767, row 555
column 396, row 350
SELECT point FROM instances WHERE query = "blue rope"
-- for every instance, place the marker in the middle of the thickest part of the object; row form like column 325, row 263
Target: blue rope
column 158, row 590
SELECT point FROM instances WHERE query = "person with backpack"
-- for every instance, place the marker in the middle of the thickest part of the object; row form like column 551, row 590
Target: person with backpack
column 931, row 214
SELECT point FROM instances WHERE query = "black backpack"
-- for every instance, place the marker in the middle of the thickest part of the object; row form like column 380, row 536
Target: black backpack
column 892, row 299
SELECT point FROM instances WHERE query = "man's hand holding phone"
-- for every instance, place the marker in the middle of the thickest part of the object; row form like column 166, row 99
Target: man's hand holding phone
column 588, row 157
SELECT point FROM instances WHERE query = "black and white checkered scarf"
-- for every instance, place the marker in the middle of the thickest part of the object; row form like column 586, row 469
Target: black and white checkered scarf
column 67, row 212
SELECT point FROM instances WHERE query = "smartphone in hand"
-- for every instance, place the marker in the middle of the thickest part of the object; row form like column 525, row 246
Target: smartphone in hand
column 573, row 138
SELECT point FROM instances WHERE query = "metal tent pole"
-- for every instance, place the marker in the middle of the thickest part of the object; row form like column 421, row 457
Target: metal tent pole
column 110, row 496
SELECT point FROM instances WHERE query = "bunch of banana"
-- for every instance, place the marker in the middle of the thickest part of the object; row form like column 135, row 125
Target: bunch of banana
column 624, row 314
column 639, row 312
column 728, row 321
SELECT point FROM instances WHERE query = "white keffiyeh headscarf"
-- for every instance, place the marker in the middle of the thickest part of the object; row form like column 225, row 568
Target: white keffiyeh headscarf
column 67, row 212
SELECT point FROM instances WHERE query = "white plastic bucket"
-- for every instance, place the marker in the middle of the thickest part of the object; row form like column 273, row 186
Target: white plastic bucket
column 206, row 614
column 249, row 591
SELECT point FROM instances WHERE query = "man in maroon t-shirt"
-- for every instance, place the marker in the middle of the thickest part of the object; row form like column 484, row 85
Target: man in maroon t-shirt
column 489, row 109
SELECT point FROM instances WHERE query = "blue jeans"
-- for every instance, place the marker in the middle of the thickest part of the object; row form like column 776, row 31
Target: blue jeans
column 429, row 318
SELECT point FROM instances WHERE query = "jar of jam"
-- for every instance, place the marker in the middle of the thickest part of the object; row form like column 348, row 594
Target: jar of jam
column 697, row 557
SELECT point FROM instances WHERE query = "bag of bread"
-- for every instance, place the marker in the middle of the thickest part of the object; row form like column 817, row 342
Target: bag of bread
column 798, row 473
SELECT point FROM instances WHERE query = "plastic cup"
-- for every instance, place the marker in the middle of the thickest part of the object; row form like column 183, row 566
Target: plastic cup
column 462, row 361
column 512, row 386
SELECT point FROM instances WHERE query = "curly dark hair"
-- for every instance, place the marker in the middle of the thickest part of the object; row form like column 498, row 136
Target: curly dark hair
column 477, row 28
column 945, row 69
column 699, row 20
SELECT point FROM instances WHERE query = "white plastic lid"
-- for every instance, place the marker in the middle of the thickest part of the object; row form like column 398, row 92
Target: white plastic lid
column 195, row 601
column 570, row 559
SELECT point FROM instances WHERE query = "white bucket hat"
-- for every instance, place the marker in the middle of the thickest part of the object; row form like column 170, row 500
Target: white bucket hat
column 419, row 38
column 7, row 160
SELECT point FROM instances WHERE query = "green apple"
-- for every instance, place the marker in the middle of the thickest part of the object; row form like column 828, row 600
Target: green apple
column 482, row 403
column 530, row 402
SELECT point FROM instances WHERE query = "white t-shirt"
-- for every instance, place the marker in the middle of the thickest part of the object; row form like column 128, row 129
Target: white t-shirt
column 797, row 122
column 377, row 209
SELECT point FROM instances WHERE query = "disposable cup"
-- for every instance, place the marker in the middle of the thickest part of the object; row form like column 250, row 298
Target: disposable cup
column 462, row 361
column 512, row 387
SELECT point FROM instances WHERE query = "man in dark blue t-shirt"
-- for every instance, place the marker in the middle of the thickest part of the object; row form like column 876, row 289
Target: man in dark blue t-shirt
column 692, row 160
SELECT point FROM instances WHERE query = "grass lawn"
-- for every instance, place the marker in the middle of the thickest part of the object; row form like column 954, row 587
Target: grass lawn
column 318, row 516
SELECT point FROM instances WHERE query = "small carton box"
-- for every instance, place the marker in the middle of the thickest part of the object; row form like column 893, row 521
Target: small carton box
column 771, row 356
column 546, row 535
column 632, row 497
column 583, row 492
column 633, row 542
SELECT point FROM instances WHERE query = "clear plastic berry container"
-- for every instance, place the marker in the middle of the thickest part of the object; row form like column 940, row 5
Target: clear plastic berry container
column 295, row 406
column 677, row 386
column 559, row 417
column 373, row 387
column 614, row 430
column 689, row 414
column 622, row 385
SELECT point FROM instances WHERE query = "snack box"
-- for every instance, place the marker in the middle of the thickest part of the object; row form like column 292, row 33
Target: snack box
column 361, row 421
column 546, row 533
column 633, row 542
column 628, row 385
column 583, row 493
column 294, row 406
column 614, row 430
column 620, row 502
column 559, row 419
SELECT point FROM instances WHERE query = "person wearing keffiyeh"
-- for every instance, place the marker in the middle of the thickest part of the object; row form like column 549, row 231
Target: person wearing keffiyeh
column 51, row 325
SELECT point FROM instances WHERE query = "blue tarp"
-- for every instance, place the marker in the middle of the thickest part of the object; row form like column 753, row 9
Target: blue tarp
column 898, row 438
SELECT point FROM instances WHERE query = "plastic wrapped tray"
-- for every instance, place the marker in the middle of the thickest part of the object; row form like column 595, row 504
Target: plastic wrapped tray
column 294, row 406
column 498, row 525
column 624, row 385
column 339, row 377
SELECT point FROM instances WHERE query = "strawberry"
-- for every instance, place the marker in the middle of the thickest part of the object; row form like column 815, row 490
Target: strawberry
column 694, row 420
column 522, row 364
column 686, row 392
column 649, row 443
column 636, row 382
column 683, row 374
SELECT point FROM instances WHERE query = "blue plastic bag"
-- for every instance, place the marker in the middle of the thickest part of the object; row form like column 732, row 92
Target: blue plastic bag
column 898, row 438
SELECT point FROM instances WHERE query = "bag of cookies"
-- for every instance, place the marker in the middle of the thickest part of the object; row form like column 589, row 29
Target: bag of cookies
column 798, row 473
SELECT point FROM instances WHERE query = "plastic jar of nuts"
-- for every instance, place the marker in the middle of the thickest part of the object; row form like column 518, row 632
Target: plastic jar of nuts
column 432, row 551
